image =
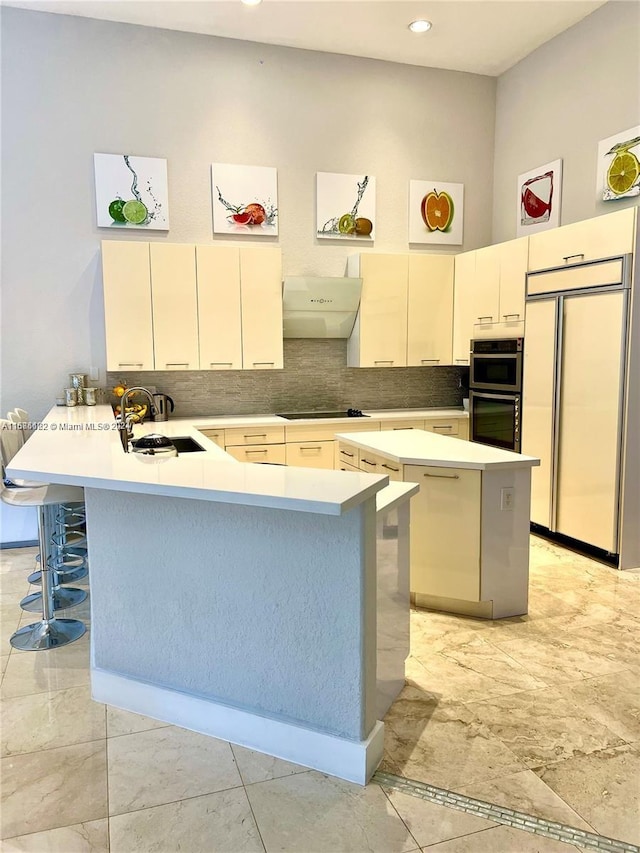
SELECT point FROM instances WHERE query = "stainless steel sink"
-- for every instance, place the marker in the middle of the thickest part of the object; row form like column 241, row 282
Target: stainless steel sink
column 185, row 444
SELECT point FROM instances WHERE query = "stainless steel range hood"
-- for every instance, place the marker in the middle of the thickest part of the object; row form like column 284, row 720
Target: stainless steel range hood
column 320, row 307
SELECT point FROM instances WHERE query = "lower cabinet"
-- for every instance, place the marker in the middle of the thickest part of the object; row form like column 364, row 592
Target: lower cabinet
column 310, row 454
column 271, row 453
column 256, row 444
column 445, row 545
column 443, row 426
column 215, row 435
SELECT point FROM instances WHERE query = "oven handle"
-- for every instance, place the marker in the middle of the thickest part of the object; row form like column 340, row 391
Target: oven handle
column 494, row 355
column 492, row 396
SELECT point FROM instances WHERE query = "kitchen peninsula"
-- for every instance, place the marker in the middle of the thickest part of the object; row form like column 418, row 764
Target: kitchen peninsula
column 470, row 520
column 233, row 599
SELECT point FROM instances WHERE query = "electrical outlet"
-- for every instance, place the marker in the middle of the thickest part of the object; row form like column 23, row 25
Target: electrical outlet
column 507, row 498
column 94, row 374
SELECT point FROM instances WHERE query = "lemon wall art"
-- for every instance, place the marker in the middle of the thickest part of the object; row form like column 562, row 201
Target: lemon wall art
column 539, row 198
column 436, row 212
column 131, row 191
column 619, row 165
column 245, row 200
column 345, row 206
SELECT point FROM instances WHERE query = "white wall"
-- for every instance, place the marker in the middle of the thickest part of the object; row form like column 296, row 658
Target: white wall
column 560, row 101
column 73, row 86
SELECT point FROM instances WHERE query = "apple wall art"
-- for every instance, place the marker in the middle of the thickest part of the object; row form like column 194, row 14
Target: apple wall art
column 539, row 198
column 245, row 200
column 345, row 206
column 618, row 165
column 131, row 192
column 436, row 212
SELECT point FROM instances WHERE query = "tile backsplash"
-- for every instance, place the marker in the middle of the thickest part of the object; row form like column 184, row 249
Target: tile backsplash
column 315, row 377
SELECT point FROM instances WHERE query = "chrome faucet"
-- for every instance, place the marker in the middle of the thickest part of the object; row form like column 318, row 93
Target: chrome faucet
column 126, row 423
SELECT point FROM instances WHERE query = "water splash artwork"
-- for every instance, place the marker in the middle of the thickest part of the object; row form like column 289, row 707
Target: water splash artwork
column 245, row 200
column 345, row 206
column 131, row 191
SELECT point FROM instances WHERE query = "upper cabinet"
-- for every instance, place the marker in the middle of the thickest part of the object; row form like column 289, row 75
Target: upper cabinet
column 127, row 305
column 405, row 310
column 463, row 306
column 192, row 307
column 589, row 240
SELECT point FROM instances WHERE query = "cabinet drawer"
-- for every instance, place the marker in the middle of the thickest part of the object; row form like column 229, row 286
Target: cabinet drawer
column 216, row 435
column 344, row 467
column 310, row 454
column 274, row 453
column 254, row 435
column 370, row 463
column 442, row 426
column 347, row 455
column 320, row 432
column 392, row 469
column 410, row 423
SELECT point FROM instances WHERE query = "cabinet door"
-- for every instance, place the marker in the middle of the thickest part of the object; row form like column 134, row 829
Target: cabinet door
column 514, row 256
column 463, row 306
column 430, row 310
column 486, row 291
column 261, row 290
column 175, row 306
column 600, row 237
column 445, row 532
column 310, row 454
column 382, row 318
column 219, row 314
column 127, row 305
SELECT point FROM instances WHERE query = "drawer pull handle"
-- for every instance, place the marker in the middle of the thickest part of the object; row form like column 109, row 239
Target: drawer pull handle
column 317, row 447
column 177, row 364
column 255, row 451
column 462, row 360
column 568, row 257
column 390, row 468
column 263, row 362
column 397, row 428
column 486, row 317
column 447, row 426
column 346, row 453
column 444, row 476
column 383, row 361
column 430, row 360
column 130, row 363
column 506, row 316
column 366, row 462
column 212, row 363
column 255, row 435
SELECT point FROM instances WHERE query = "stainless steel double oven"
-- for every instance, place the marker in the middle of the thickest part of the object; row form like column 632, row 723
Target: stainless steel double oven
column 495, row 392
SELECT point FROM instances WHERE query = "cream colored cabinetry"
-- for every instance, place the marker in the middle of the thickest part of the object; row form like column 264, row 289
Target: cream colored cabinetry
column 443, row 426
column 204, row 307
column 406, row 311
column 175, row 306
column 430, row 310
column 409, row 423
column 591, row 239
column 219, row 307
column 310, row 454
column 127, row 294
column 499, row 289
column 215, row 435
column 444, row 563
column 256, row 444
column 463, row 306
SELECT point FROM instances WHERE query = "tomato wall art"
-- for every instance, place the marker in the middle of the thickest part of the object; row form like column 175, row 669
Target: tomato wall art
column 435, row 212
column 245, row 200
column 539, row 195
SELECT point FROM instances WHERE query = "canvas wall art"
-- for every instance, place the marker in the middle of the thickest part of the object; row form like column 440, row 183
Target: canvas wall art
column 245, row 200
column 131, row 192
column 539, row 198
column 345, row 206
column 436, row 212
column 619, row 165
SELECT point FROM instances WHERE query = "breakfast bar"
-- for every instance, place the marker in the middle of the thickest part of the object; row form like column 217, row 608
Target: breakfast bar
column 232, row 599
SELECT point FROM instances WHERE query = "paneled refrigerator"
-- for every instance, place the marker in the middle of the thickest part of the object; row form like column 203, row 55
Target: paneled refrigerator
column 576, row 405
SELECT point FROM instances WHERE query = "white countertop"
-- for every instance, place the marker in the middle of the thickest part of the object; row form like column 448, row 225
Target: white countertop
column 80, row 446
column 231, row 421
column 417, row 447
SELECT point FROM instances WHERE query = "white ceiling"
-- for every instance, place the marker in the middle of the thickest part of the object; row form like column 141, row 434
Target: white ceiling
column 479, row 36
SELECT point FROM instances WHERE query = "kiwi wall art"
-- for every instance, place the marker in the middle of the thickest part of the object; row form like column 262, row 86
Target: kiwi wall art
column 245, row 200
column 539, row 198
column 436, row 212
column 345, row 206
column 131, row 192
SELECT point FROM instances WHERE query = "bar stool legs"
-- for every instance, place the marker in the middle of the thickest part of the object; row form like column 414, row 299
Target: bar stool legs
column 49, row 632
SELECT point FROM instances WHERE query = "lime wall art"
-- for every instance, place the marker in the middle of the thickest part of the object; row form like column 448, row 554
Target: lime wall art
column 436, row 212
column 245, row 200
column 619, row 165
column 131, row 192
column 539, row 198
column 345, row 206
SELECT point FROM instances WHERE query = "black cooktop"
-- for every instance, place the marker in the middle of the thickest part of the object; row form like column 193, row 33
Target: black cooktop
column 294, row 416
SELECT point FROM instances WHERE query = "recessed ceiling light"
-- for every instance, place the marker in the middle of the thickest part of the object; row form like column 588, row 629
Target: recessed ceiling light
column 251, row 2
column 420, row 26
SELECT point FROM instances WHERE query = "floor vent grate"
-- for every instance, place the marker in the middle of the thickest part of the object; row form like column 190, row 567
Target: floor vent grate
column 502, row 815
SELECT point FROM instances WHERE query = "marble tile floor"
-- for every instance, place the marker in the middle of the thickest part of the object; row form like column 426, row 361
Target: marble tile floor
column 539, row 714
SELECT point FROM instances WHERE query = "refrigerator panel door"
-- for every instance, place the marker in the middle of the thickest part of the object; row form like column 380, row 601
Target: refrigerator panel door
column 589, row 438
column 538, row 385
